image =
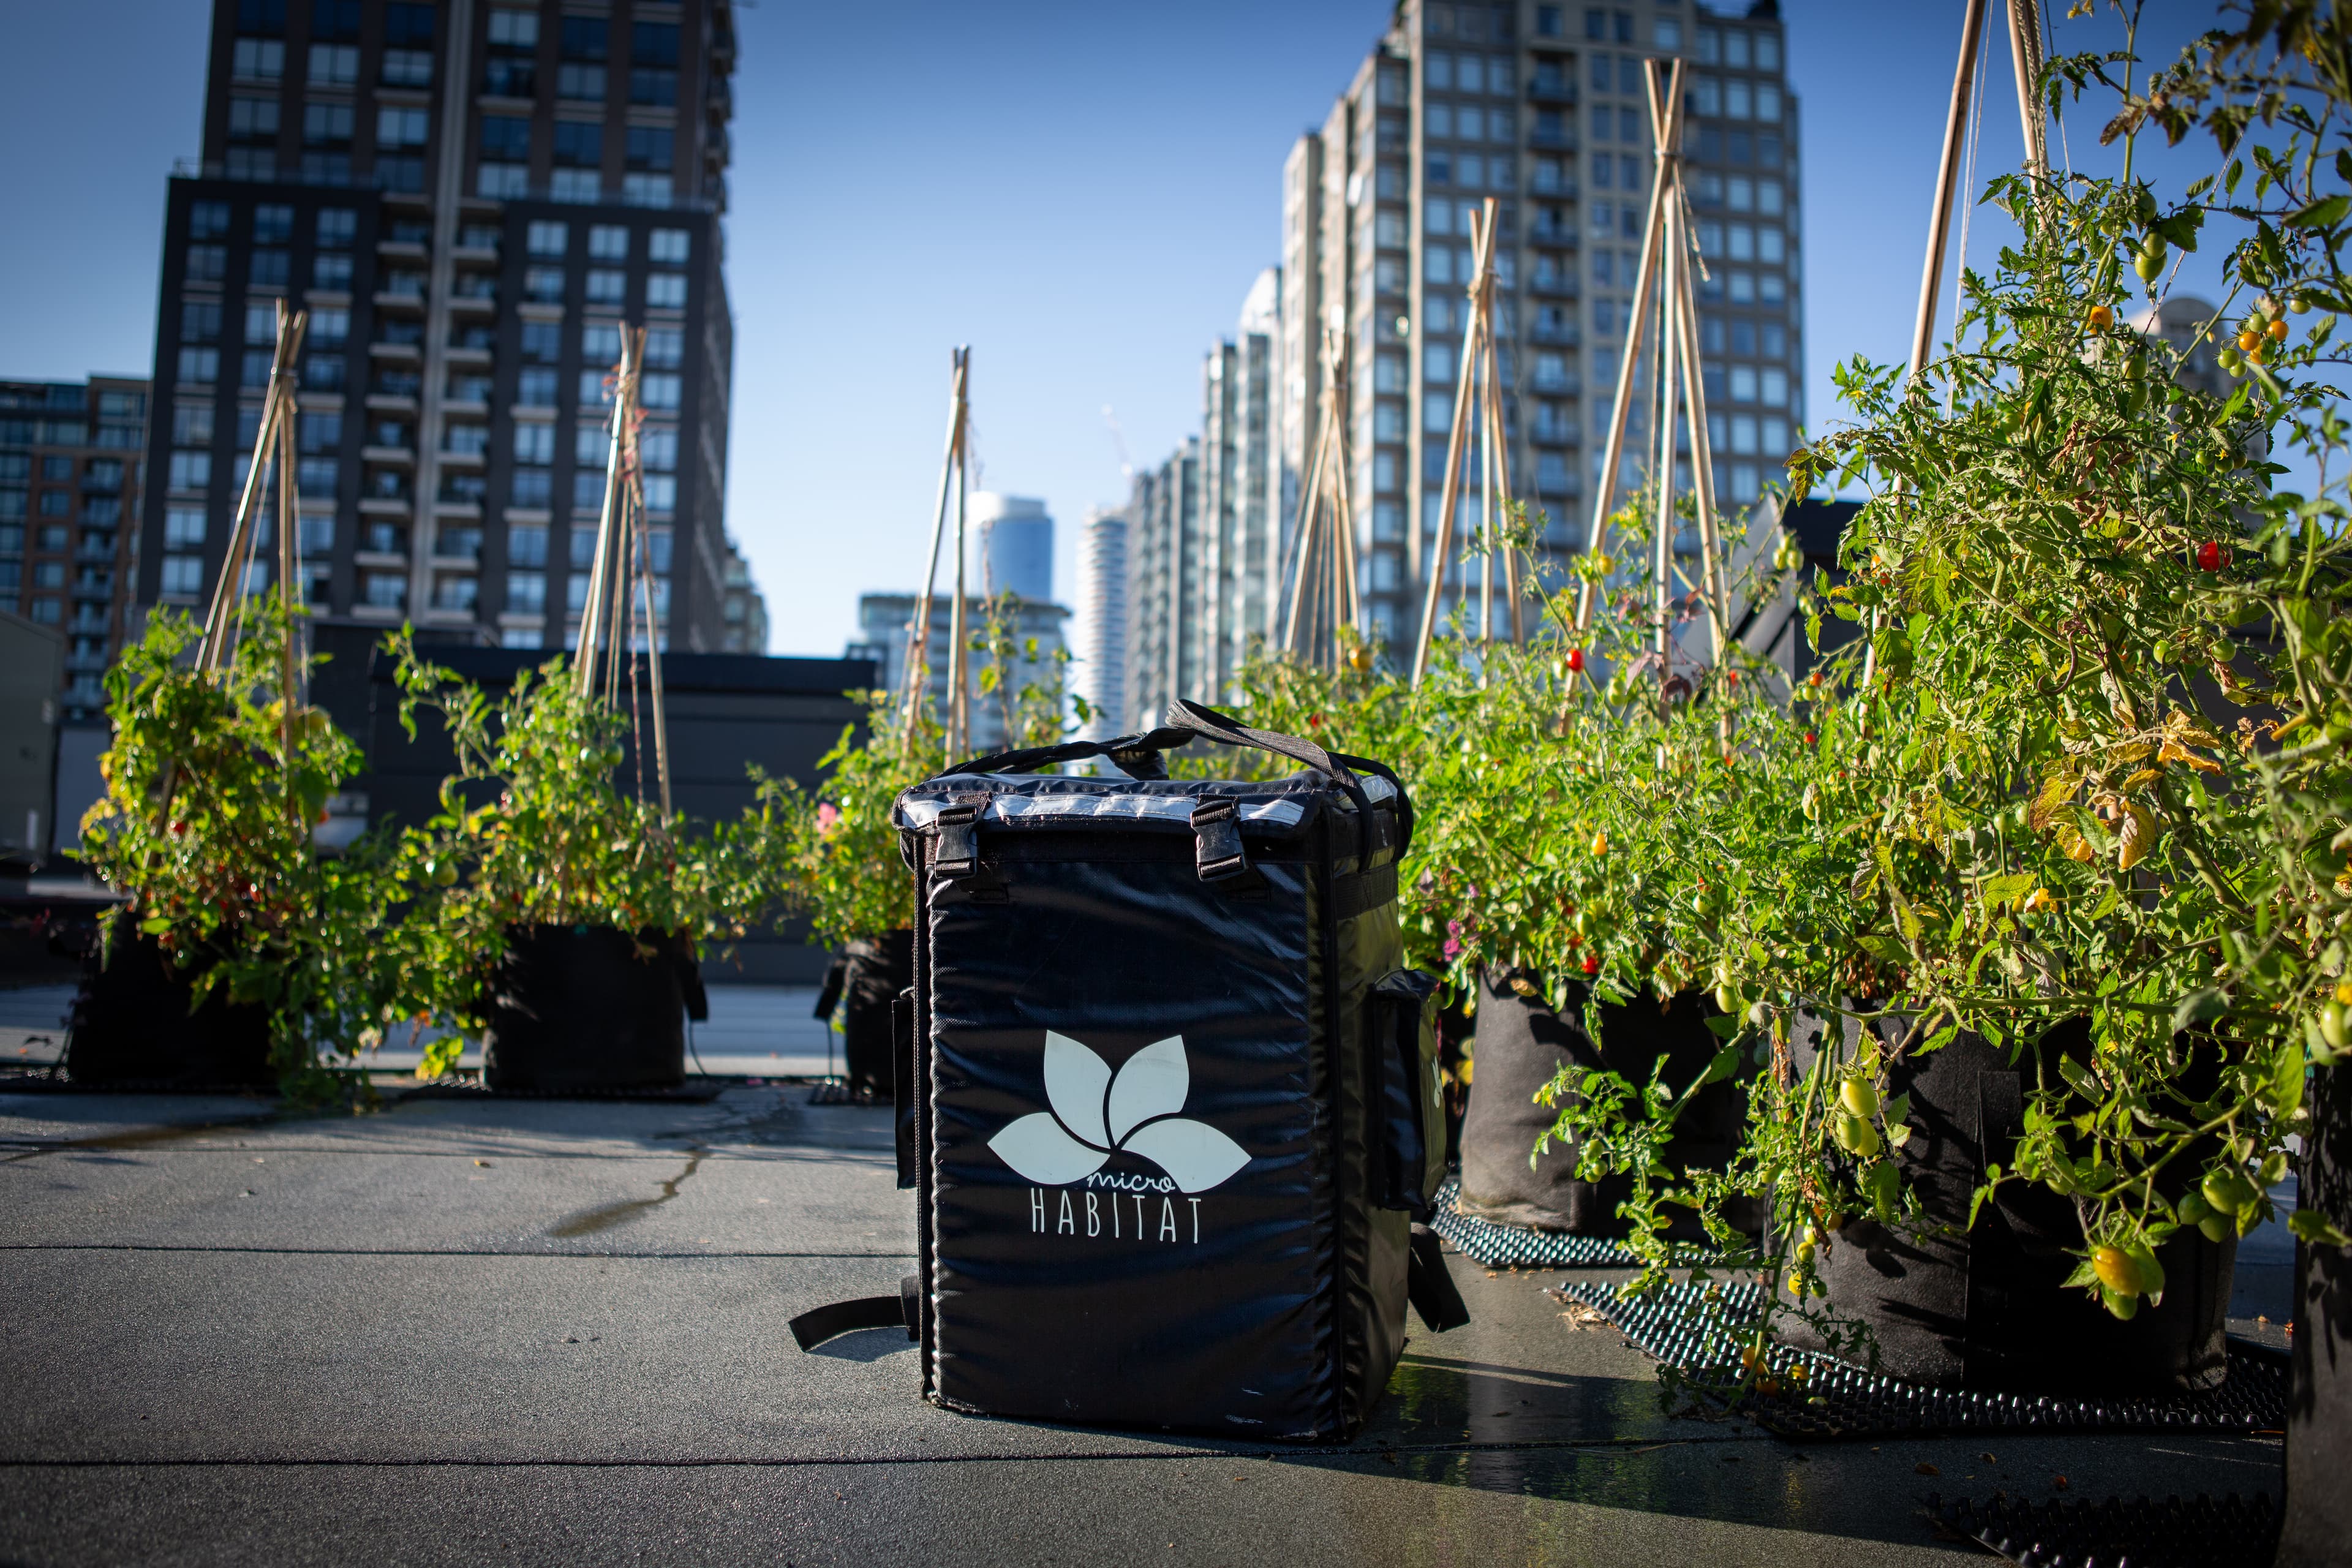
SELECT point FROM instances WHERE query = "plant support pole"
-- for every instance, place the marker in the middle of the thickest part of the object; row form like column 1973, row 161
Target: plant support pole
column 1457, row 444
column 918, row 672
column 593, row 608
column 1612, row 452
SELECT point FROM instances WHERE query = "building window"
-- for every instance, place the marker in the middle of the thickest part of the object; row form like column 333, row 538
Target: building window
column 317, row 432
column 578, row 143
column 407, row 68
column 655, row 87
column 527, row 592
column 646, row 190
column 189, row 470
column 257, row 59
column 534, row 443
column 384, row 590
column 268, row 269
column 506, row 139
column 199, row 365
column 608, row 242
column 332, row 272
column 600, row 342
column 581, row 84
column 327, row 125
column 649, row 146
column 544, row 284
column 402, row 127
column 184, row 527
column 535, row 388
column 607, row 286
column 322, row 373
column 334, row 65
column 661, row 496
column 666, row 291
column 200, row 322
column 581, row 185
column 253, row 120
column 594, row 392
column 533, row 488
column 656, row 448
column 659, row 391
column 184, row 576
column 543, row 342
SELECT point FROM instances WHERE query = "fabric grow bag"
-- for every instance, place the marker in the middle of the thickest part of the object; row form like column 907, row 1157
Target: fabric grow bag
column 1519, row 1042
column 1169, row 1099
column 2317, row 1512
column 132, row 1022
column 1985, row 1307
column 866, row 980
column 582, row 1007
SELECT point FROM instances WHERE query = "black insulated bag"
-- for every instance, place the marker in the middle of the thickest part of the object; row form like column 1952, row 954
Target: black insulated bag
column 1167, row 1093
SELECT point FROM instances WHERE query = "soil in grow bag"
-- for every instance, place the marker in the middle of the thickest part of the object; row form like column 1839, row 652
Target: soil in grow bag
column 132, row 1023
column 582, row 1007
column 2318, row 1507
column 865, row 980
column 1986, row 1306
column 1521, row 1042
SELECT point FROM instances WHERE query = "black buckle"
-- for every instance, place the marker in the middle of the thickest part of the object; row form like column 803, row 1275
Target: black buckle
column 959, row 851
column 1217, row 840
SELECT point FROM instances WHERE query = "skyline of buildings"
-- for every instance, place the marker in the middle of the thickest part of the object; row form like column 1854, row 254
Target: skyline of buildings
column 1544, row 108
column 472, row 200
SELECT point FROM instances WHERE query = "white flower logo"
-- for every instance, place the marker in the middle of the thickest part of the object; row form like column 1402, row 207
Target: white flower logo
column 1095, row 1115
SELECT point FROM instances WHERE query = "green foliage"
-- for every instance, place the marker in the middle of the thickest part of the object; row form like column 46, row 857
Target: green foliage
column 212, row 793
column 533, row 828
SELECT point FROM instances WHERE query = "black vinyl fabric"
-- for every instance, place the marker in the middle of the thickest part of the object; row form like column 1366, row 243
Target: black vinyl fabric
column 1519, row 1043
column 577, row 1007
column 132, row 1023
column 1983, row 1308
column 1150, row 1122
column 873, row 970
column 2318, row 1506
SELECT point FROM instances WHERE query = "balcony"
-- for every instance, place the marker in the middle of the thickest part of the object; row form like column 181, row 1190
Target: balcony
column 1551, row 87
column 1555, row 285
column 401, row 250
column 400, row 457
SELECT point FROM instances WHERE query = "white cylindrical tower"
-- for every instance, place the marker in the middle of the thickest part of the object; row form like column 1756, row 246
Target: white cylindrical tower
column 1098, row 623
column 1012, row 542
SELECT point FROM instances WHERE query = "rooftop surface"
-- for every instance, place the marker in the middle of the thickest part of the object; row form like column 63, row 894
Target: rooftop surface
column 554, row 1332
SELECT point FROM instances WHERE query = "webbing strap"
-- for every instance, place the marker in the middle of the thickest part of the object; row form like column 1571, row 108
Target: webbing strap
column 818, row 1324
column 1429, row 1287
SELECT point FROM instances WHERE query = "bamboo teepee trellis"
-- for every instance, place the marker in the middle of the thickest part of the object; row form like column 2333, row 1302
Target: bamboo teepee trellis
column 609, row 625
column 1321, row 578
column 916, row 679
column 1477, row 415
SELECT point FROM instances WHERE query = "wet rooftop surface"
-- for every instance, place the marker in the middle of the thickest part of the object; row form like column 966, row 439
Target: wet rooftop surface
column 554, row 1332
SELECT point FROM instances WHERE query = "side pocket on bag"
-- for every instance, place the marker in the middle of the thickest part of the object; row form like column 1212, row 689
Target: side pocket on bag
column 903, row 1083
column 1413, row 1116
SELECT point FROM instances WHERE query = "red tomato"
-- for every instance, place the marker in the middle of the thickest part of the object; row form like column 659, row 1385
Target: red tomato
column 2208, row 556
column 1592, row 964
column 1576, row 661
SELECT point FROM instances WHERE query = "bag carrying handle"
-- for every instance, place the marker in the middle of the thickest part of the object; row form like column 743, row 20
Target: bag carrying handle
column 1143, row 749
column 1337, row 766
column 1139, row 757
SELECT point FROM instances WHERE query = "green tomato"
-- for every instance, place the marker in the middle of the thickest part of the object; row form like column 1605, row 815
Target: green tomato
column 1859, row 1097
column 2230, row 1190
column 2193, row 1209
column 2332, row 1024
column 1726, row 1000
column 2121, row 1306
column 2213, row 1227
column 1855, row 1136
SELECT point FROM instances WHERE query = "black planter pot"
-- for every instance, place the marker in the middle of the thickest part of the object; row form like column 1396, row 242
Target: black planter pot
column 867, row 979
column 1986, row 1306
column 132, row 1024
column 2317, row 1515
column 1521, row 1042
column 578, row 1007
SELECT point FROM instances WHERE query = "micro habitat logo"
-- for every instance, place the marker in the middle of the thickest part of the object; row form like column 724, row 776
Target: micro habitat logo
column 1096, row 1114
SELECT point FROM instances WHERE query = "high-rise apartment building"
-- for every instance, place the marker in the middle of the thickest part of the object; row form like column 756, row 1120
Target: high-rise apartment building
column 471, row 198
column 69, row 486
column 1166, row 599
column 1098, row 623
column 1543, row 107
column 744, row 615
column 1032, row 632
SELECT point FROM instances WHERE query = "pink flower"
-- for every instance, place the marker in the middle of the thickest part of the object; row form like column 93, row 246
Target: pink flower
column 1454, row 928
column 828, row 818
column 1452, row 949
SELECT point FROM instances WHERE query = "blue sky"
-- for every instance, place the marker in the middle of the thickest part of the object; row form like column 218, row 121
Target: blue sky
column 1082, row 192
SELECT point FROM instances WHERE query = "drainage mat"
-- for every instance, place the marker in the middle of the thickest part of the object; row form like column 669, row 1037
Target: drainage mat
column 2234, row 1532
column 1517, row 1245
column 834, row 1091
column 1821, row 1397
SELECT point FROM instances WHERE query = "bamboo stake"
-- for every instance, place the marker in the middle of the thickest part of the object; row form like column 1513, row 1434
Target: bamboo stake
column 1499, row 435
column 1669, row 335
column 959, row 671
column 1947, row 175
column 228, row 589
column 918, row 672
column 2025, row 53
column 653, row 654
column 1613, row 451
column 1301, row 544
column 593, row 608
column 1703, row 467
column 1456, row 442
column 288, row 594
